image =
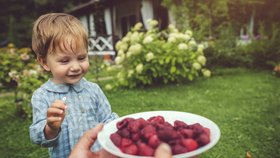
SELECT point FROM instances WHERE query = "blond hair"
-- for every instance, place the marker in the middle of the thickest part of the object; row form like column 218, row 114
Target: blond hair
column 52, row 31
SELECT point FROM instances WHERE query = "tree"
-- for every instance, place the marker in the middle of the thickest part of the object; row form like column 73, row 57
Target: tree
column 17, row 17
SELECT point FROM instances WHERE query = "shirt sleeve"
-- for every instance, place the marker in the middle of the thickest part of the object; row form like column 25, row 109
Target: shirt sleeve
column 104, row 110
column 36, row 130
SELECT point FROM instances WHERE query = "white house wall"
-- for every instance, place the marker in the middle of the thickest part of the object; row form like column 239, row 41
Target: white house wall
column 92, row 31
column 108, row 21
column 171, row 18
column 147, row 11
column 84, row 21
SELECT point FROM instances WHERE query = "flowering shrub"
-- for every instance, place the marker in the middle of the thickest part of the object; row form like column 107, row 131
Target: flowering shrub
column 154, row 56
column 20, row 74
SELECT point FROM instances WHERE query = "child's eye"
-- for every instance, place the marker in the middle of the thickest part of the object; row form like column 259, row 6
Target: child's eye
column 82, row 58
column 64, row 61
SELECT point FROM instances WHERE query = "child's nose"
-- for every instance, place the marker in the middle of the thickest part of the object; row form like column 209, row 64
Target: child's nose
column 75, row 66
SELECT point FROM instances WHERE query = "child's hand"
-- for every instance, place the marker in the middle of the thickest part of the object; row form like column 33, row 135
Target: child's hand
column 55, row 117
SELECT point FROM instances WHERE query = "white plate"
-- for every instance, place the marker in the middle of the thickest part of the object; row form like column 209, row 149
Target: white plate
column 169, row 116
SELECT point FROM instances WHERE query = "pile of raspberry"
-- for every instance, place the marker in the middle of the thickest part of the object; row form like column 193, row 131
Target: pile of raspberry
column 141, row 137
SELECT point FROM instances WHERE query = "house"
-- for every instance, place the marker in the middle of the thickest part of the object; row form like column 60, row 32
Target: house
column 107, row 21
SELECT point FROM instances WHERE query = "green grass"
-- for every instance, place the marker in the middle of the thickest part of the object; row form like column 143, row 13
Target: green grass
column 245, row 104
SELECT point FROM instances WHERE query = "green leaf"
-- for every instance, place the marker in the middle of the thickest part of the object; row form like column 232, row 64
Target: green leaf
column 173, row 70
column 167, row 60
column 190, row 77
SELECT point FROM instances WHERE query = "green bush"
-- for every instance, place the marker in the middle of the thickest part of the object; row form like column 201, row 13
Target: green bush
column 265, row 52
column 156, row 57
column 20, row 74
column 226, row 52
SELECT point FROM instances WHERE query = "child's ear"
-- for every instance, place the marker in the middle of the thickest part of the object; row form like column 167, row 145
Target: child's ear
column 43, row 63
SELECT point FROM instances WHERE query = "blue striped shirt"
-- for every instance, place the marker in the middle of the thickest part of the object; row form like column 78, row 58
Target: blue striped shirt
column 86, row 107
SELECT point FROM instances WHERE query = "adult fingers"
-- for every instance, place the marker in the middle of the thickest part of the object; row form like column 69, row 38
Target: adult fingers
column 163, row 151
column 89, row 137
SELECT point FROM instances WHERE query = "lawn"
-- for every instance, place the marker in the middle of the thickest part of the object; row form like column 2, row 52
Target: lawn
column 244, row 103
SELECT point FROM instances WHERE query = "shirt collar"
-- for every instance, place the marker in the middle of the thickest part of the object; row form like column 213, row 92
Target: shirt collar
column 64, row 88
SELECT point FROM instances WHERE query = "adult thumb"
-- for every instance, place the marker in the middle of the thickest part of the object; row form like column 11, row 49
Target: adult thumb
column 163, row 151
column 87, row 140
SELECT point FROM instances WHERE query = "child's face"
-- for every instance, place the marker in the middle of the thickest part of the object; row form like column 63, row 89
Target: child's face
column 67, row 66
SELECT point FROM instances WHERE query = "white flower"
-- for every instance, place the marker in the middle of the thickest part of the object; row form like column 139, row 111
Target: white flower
column 196, row 66
column 135, row 37
column 121, row 53
column 24, row 56
column 201, row 59
column 149, row 56
column 138, row 26
column 189, row 32
column 148, row 39
column 192, row 43
column 200, row 48
column 118, row 45
column 139, row 68
column 171, row 39
column 126, row 39
column 33, row 72
column 119, row 60
column 182, row 46
column 171, row 27
column 13, row 73
column 108, row 87
column 186, row 37
column 152, row 23
column 135, row 49
column 124, row 46
column 206, row 73
column 128, row 54
column 130, row 73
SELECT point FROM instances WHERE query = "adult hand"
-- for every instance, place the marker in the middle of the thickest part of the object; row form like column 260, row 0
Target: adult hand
column 82, row 148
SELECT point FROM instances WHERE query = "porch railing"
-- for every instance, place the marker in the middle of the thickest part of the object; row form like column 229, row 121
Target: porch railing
column 101, row 45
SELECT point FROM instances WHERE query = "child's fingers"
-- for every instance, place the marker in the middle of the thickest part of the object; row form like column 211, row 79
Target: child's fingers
column 55, row 111
column 53, row 119
column 59, row 104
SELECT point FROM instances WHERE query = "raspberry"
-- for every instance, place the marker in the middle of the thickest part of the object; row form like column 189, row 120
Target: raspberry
column 153, row 141
column 116, row 139
column 124, row 133
column 190, row 144
column 167, row 133
column 198, row 129
column 125, row 142
column 178, row 149
column 148, row 131
column 203, row 139
column 123, row 124
column 142, row 122
column 131, row 149
column 135, row 137
column 187, row 133
column 156, row 120
column 206, row 131
column 180, row 124
column 133, row 126
column 145, row 150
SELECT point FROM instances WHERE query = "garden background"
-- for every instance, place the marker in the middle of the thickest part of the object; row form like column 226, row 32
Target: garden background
column 221, row 61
